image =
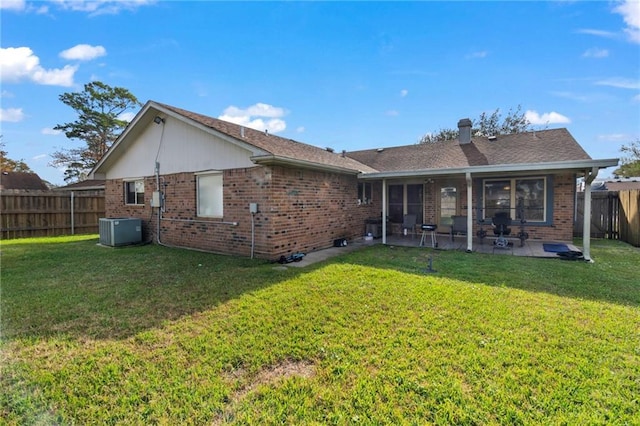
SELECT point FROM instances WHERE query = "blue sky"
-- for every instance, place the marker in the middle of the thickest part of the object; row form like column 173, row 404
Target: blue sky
column 346, row 75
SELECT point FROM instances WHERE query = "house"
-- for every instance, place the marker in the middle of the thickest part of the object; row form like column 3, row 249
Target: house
column 92, row 185
column 22, row 181
column 614, row 184
column 204, row 183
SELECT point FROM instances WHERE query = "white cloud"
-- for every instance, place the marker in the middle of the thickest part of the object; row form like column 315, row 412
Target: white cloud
column 19, row 63
column 619, row 82
column 13, row 4
column 404, row 92
column 5, row 94
column 477, row 55
column 300, row 129
column 546, row 118
column 392, row 113
column 614, row 137
column 630, row 11
column 101, row 7
column 40, row 157
column 12, row 115
column 126, row 116
column 598, row 33
column 249, row 117
column 636, row 98
column 50, row 131
column 83, row 52
column 595, row 53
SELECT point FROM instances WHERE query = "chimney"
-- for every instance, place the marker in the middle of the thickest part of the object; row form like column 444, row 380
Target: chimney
column 464, row 128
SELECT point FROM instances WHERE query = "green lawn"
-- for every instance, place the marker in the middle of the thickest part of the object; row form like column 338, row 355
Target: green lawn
column 152, row 335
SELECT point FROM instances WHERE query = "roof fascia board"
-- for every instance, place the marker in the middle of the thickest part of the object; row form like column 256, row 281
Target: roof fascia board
column 286, row 161
column 575, row 165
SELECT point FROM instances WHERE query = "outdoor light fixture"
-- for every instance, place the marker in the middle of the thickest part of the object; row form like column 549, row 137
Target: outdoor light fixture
column 158, row 119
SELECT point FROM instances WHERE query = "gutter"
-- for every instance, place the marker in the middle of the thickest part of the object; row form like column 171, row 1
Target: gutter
column 580, row 165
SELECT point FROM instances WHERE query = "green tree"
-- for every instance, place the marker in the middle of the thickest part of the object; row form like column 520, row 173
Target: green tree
column 99, row 108
column 486, row 125
column 630, row 166
column 9, row 165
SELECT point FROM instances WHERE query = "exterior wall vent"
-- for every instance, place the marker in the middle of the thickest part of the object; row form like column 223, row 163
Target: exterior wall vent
column 120, row 231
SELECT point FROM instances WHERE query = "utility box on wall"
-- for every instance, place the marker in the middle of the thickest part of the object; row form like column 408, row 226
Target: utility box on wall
column 120, row 231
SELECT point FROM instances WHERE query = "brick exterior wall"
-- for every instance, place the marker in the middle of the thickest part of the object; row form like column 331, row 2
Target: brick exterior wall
column 299, row 210
column 561, row 228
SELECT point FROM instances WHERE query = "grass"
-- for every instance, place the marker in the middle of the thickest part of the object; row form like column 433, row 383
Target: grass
column 152, row 335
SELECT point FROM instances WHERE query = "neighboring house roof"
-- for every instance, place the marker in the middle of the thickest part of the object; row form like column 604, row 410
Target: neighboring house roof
column 22, row 180
column 85, row 185
column 622, row 184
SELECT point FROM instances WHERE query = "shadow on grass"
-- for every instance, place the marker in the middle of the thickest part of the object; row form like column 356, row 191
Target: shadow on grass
column 84, row 290
column 613, row 278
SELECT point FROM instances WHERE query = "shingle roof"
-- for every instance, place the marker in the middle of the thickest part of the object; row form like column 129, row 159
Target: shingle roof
column 88, row 184
column 521, row 148
column 21, row 180
column 275, row 145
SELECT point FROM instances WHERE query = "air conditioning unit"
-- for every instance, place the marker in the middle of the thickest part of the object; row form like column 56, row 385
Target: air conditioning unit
column 120, row 231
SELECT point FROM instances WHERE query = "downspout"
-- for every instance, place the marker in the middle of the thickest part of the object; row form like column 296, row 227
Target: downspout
column 384, row 211
column 72, row 215
column 589, row 177
column 253, row 234
column 159, row 120
column 469, row 213
column 159, row 211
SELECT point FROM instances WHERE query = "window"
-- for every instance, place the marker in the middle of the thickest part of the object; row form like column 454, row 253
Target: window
column 396, row 203
column 405, row 199
column 365, row 192
column 209, row 189
column 134, row 192
column 524, row 198
column 448, row 204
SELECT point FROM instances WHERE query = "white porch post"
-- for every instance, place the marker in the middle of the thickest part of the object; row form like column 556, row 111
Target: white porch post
column 589, row 177
column 469, row 213
column 384, row 211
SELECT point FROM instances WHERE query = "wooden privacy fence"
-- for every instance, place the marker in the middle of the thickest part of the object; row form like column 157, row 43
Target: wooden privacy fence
column 614, row 215
column 49, row 213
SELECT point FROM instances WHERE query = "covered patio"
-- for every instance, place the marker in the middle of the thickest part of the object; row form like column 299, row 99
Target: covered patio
column 531, row 248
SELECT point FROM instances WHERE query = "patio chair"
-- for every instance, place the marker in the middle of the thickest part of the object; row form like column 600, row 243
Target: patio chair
column 409, row 224
column 458, row 226
column 501, row 222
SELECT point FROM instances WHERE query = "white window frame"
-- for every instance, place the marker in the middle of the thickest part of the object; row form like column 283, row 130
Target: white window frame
column 214, row 205
column 137, row 184
column 364, row 189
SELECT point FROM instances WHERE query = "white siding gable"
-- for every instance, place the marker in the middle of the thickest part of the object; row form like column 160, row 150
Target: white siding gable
column 182, row 148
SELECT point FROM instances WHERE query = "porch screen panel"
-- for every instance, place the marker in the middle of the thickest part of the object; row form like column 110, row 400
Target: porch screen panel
column 414, row 201
column 497, row 197
column 395, row 203
column 530, row 198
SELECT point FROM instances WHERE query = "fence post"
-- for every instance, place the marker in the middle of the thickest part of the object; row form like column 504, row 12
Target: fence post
column 72, row 216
